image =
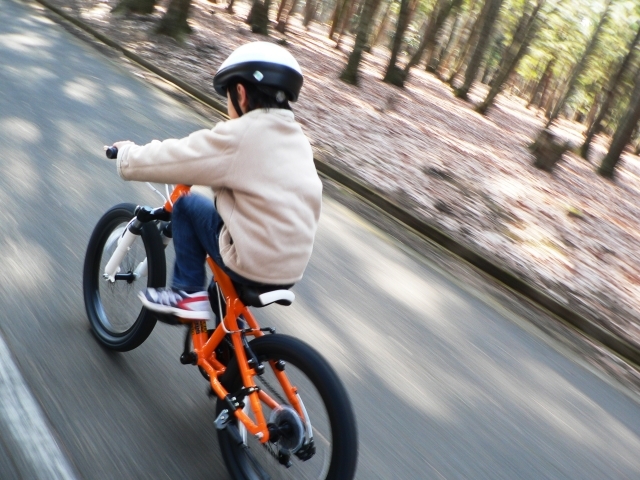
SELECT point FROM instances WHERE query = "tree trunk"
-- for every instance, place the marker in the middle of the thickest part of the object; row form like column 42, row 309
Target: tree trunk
column 578, row 68
column 394, row 75
column 283, row 3
column 383, row 24
column 338, row 13
column 350, row 73
column 174, row 22
column 282, row 23
column 593, row 111
column 259, row 16
column 462, row 46
column 487, row 19
column 527, row 90
column 524, row 34
column 542, row 84
column 442, row 41
column 353, row 6
column 609, row 94
column 549, row 92
column 553, row 98
column 623, row 134
column 488, row 76
column 433, row 24
column 309, row 12
column 635, row 142
column 135, row 6
column 432, row 56
column 429, row 33
column 461, row 62
column 452, row 43
column 553, row 94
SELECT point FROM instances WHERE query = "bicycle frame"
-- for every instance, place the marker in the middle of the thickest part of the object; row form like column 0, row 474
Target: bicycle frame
column 204, row 347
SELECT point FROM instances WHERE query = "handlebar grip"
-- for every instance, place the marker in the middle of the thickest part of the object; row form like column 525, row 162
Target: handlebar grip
column 111, row 152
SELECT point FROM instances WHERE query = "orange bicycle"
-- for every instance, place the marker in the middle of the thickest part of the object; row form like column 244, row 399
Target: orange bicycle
column 281, row 411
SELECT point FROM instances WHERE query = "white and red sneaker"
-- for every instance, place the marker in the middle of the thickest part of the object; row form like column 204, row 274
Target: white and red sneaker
column 191, row 306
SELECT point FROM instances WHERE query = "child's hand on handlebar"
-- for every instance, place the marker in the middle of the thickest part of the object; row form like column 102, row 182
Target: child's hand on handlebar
column 122, row 143
column 112, row 151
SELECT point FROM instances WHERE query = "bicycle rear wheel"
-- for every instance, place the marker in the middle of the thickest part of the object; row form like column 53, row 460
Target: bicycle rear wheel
column 115, row 313
column 327, row 405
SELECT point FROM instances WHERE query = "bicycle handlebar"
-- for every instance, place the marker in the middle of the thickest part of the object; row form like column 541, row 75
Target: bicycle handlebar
column 111, row 152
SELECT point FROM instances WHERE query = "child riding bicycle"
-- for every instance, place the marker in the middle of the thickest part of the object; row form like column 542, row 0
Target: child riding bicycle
column 259, row 164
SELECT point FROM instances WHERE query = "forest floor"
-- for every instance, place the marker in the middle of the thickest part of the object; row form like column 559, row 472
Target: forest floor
column 571, row 233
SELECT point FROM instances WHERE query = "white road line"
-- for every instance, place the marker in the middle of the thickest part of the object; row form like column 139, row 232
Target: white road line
column 24, row 429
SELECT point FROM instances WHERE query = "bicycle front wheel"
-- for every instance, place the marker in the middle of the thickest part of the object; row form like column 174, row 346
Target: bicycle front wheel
column 330, row 422
column 115, row 312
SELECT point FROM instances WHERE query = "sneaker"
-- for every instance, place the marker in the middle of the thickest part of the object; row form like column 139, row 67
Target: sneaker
column 192, row 306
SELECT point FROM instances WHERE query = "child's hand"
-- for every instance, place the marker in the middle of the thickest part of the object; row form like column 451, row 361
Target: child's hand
column 112, row 151
column 122, row 143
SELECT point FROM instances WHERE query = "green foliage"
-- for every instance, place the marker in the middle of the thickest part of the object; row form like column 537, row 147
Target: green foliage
column 568, row 26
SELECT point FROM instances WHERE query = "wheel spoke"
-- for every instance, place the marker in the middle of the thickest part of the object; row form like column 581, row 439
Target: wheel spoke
column 114, row 310
column 328, row 449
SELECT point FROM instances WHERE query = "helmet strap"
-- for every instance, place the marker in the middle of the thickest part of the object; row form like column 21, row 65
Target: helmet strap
column 233, row 95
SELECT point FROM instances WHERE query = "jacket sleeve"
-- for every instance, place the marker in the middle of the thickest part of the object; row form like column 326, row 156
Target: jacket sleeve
column 202, row 158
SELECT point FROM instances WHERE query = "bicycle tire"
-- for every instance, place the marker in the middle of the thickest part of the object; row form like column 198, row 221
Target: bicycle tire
column 299, row 358
column 104, row 320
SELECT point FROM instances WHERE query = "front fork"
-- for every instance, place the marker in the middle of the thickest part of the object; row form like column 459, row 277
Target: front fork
column 132, row 231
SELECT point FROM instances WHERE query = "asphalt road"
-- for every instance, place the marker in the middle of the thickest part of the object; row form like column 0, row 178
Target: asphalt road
column 445, row 384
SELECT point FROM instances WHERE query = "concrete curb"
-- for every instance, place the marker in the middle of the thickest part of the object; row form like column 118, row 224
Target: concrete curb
column 620, row 346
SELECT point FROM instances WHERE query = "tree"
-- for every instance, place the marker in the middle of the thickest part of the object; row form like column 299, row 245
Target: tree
column 440, row 12
column 464, row 47
column 578, row 68
column 283, row 4
column 394, row 74
column 309, row 12
column 350, row 73
column 484, row 26
column 432, row 49
column 258, row 16
column 353, row 6
column 452, row 26
column 543, row 84
column 174, row 22
column 338, row 14
column 462, row 25
column 552, row 93
column 609, row 93
column 623, row 134
column 283, row 19
column 525, row 31
column 384, row 23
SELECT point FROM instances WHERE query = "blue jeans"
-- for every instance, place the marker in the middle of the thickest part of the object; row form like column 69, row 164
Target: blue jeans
column 196, row 227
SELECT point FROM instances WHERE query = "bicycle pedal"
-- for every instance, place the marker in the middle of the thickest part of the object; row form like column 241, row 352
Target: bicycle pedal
column 307, row 451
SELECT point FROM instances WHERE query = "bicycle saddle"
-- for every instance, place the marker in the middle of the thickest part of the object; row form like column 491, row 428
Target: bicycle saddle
column 261, row 296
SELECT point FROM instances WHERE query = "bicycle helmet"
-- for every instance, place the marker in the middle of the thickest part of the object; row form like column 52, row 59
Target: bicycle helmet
column 261, row 63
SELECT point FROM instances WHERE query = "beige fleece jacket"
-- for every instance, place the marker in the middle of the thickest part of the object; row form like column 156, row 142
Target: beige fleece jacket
column 260, row 167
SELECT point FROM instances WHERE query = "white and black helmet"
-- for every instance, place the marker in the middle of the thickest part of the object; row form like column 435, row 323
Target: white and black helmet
column 261, row 63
